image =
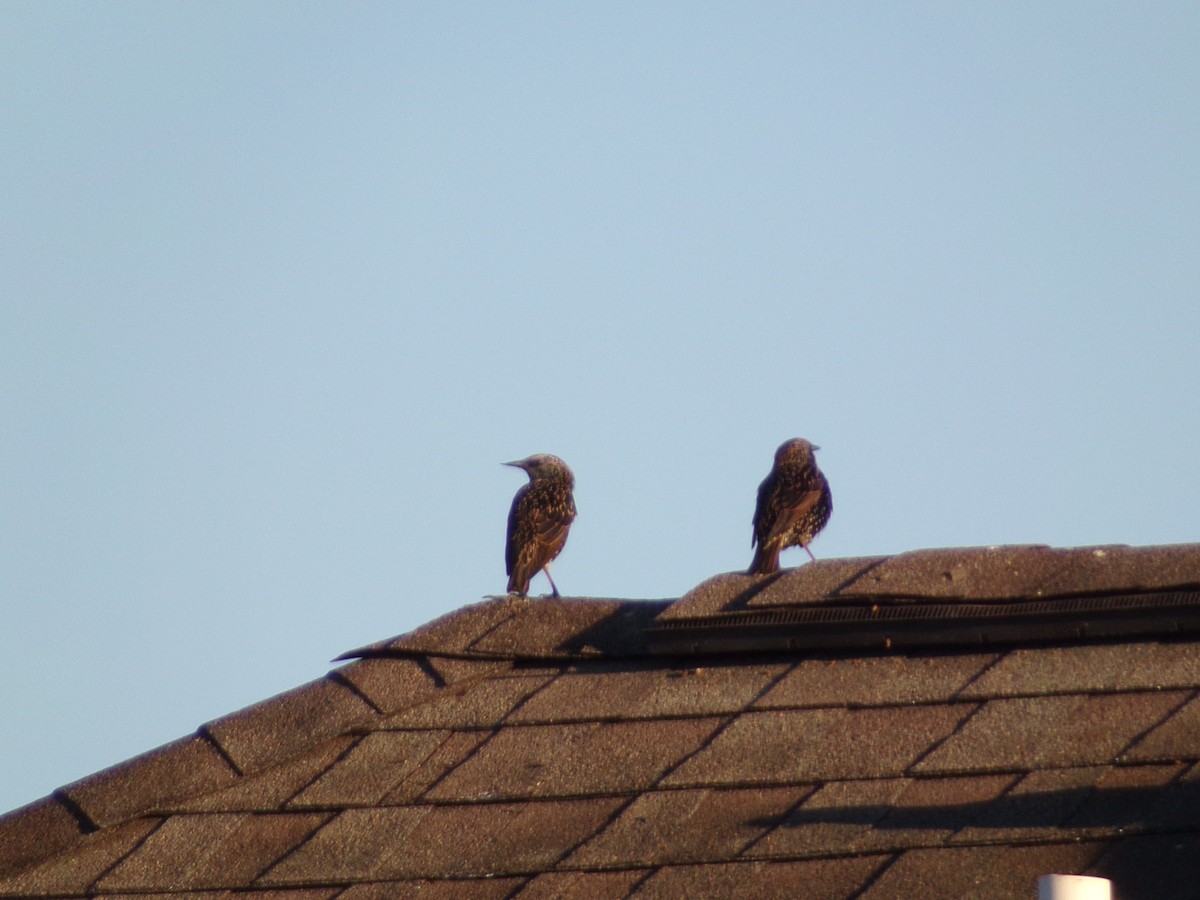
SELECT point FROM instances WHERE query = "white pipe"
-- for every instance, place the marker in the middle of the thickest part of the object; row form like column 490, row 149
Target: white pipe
column 1073, row 887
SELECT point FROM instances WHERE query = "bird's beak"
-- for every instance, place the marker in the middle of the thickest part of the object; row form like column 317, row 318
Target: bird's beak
column 516, row 464
column 815, row 447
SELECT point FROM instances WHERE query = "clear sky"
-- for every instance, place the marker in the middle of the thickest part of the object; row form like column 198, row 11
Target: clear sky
column 283, row 284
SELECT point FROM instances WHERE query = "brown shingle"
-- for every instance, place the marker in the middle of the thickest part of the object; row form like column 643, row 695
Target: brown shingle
column 182, row 768
column 219, row 850
column 1119, row 568
column 456, row 748
column 371, row 769
column 794, row 746
column 834, row 818
column 608, row 692
column 476, row 704
column 1175, row 737
column 827, row 879
column 1152, row 867
column 284, row 726
column 582, row 885
column 573, row 760
column 31, row 832
column 885, row 814
column 390, row 684
column 1040, row 732
column 686, row 826
column 452, row 633
column 474, row 840
column 978, row 873
column 1034, row 808
column 71, row 872
column 1123, row 799
column 859, row 681
column 809, row 583
column 966, row 573
column 1090, row 667
column 558, row 628
column 271, row 788
column 458, row 889
column 455, row 889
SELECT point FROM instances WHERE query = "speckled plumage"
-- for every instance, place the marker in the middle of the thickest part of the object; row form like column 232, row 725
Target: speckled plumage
column 539, row 520
column 794, row 503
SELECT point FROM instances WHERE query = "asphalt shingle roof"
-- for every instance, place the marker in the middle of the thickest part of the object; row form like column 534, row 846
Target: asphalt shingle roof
column 550, row 749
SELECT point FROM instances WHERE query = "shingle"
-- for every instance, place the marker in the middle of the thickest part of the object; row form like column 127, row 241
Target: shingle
column 374, row 767
column 1089, row 667
column 573, row 760
column 476, row 704
column 826, row 879
column 219, row 850
column 276, row 729
column 452, row 633
column 1176, row 804
column 809, row 583
column 1151, row 867
column 1175, row 737
column 322, row 893
column 966, row 573
column 814, row 582
column 1034, row 808
column 582, row 885
column 721, row 593
column 885, row 814
column 457, row 889
column 73, row 871
column 608, row 692
column 686, row 826
column 390, row 684
column 34, row 831
column 1039, row 732
column 978, row 873
column 472, row 840
column 271, row 788
column 795, row 746
column 929, row 810
column 832, row 820
column 182, row 768
column 456, row 748
column 1119, row 568
column 874, row 680
column 1123, row 798
column 557, row 628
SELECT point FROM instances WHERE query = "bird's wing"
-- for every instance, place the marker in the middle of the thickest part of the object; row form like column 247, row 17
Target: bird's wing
column 535, row 534
column 550, row 531
column 512, row 541
column 791, row 503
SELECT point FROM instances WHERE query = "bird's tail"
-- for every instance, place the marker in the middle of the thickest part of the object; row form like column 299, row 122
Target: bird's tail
column 766, row 559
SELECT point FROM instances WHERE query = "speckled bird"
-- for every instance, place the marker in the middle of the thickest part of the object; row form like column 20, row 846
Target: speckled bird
column 541, row 515
column 794, row 504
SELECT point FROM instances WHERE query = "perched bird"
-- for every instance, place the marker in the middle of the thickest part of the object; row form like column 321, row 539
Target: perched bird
column 794, row 504
column 541, row 516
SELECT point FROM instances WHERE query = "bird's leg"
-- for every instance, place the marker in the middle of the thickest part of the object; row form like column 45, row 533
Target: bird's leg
column 809, row 552
column 553, row 589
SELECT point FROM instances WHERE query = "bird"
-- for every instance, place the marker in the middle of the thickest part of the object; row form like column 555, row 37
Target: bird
column 541, row 515
column 794, row 503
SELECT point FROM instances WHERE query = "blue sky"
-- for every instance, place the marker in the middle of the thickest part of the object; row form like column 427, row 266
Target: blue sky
column 283, row 284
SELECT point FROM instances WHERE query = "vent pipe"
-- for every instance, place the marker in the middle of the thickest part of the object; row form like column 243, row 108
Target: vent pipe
column 1073, row 887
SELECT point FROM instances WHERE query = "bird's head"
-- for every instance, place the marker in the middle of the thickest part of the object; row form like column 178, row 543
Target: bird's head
column 543, row 465
column 797, row 450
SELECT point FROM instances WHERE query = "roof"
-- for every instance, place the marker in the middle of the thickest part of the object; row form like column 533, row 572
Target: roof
column 577, row 748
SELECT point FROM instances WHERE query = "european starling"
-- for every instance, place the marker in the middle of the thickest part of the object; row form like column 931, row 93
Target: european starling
column 794, row 504
column 541, row 516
